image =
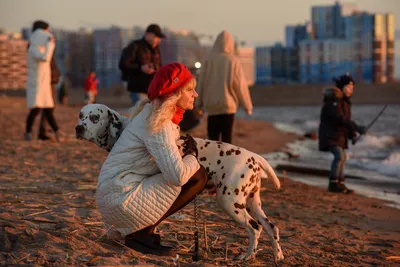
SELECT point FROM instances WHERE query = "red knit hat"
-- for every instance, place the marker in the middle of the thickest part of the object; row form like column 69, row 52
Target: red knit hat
column 168, row 79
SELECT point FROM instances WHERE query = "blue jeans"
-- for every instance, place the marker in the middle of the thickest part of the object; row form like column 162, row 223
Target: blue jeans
column 135, row 97
column 338, row 163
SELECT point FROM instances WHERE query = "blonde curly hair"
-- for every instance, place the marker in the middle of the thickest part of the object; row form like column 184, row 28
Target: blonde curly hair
column 162, row 108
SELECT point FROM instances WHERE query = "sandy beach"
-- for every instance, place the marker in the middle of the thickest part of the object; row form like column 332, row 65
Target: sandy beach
column 48, row 214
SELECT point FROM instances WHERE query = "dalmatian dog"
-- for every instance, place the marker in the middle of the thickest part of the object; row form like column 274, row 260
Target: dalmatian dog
column 236, row 172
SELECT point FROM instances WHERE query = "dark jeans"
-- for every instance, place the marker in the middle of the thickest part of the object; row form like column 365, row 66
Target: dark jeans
column 338, row 163
column 47, row 114
column 220, row 125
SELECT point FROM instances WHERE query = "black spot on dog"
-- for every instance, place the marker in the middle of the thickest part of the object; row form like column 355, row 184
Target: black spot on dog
column 255, row 189
column 207, row 169
column 203, row 159
column 254, row 224
column 252, row 178
column 223, row 192
column 201, row 148
column 237, row 191
column 218, row 162
column 245, row 194
column 237, row 152
column 221, row 153
column 250, row 166
column 271, row 224
column 223, row 176
column 242, row 176
column 219, row 185
column 236, row 212
column 80, row 115
column 222, row 167
column 228, row 153
column 229, row 193
column 239, row 206
column 117, row 119
column 206, row 144
column 251, row 195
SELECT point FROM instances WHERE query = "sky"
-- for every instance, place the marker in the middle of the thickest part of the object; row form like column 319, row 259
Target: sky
column 257, row 22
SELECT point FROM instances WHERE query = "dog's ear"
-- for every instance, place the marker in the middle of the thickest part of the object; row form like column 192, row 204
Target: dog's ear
column 115, row 124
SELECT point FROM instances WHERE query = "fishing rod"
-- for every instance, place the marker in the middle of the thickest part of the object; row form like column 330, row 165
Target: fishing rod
column 370, row 124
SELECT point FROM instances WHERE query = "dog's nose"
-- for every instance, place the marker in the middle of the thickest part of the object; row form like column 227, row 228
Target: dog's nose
column 79, row 129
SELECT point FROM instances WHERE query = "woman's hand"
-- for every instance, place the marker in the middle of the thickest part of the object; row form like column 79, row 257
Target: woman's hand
column 189, row 146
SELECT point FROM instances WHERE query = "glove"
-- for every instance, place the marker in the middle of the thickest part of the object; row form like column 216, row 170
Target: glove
column 361, row 130
column 189, row 146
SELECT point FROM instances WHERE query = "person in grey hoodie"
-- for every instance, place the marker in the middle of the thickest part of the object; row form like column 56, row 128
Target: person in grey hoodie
column 222, row 87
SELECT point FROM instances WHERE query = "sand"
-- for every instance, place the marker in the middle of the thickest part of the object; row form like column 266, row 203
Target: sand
column 48, row 214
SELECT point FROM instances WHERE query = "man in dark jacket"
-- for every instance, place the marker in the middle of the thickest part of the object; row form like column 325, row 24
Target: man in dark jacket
column 336, row 128
column 140, row 60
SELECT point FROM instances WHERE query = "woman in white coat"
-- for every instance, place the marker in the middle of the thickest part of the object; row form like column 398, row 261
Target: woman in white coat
column 39, row 95
column 144, row 178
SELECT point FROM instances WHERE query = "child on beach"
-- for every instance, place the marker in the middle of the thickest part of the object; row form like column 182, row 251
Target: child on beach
column 91, row 88
column 336, row 128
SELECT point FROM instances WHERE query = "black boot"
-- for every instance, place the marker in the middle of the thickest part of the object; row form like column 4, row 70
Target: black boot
column 148, row 244
column 334, row 186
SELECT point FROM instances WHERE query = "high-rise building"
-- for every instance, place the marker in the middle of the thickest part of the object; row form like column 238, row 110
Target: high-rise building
column 263, row 65
column 246, row 55
column 372, row 37
column 296, row 33
column 276, row 64
column 181, row 46
column 79, row 57
column 327, row 21
column 321, row 60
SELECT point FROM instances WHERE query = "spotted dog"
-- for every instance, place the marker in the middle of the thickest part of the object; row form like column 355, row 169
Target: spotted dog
column 236, row 172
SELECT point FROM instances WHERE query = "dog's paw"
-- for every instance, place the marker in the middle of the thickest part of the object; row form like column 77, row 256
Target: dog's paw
column 278, row 255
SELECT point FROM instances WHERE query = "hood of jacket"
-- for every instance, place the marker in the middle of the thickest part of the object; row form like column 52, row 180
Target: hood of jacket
column 224, row 43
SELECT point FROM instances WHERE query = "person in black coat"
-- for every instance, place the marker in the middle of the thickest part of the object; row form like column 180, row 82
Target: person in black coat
column 139, row 62
column 337, row 128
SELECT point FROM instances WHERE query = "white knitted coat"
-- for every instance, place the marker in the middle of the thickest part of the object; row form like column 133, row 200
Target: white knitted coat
column 142, row 176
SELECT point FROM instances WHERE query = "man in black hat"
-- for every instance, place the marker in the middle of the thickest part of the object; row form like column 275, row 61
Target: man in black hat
column 140, row 60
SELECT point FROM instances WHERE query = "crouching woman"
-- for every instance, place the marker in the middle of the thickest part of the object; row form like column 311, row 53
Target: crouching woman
column 144, row 178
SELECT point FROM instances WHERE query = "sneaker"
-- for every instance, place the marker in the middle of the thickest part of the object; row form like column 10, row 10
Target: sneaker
column 28, row 136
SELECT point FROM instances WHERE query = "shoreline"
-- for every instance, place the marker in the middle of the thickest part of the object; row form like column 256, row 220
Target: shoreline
column 48, row 208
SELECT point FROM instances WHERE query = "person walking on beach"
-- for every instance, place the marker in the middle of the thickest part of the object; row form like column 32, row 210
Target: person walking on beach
column 144, row 179
column 222, row 87
column 139, row 62
column 39, row 95
column 91, row 88
column 336, row 128
column 55, row 78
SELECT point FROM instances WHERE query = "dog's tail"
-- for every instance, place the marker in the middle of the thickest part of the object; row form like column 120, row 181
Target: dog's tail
column 269, row 172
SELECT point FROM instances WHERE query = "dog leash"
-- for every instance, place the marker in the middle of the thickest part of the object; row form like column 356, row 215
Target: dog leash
column 196, row 254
